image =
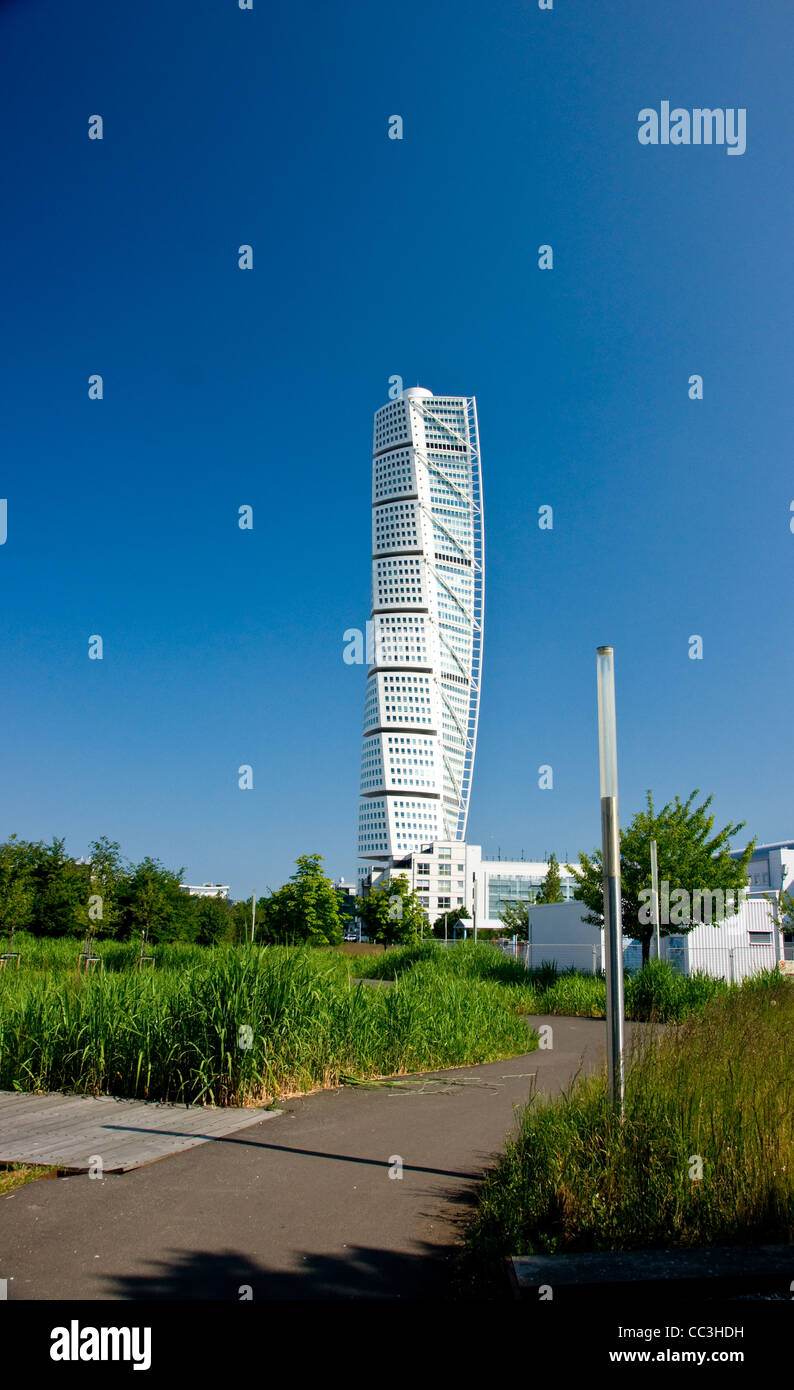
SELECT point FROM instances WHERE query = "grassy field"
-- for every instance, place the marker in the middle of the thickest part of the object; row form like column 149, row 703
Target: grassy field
column 718, row 1088
column 61, row 953
column 467, row 959
column 235, row 1025
column 656, row 991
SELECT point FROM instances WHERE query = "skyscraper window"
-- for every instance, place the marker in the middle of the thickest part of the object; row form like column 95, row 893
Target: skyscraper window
column 423, row 685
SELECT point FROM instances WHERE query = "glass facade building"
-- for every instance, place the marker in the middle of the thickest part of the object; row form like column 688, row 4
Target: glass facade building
column 508, row 890
column 425, row 650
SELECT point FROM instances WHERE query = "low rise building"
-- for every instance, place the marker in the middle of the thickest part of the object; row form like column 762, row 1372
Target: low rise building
column 771, row 868
column 449, row 874
column 206, row 890
column 740, row 945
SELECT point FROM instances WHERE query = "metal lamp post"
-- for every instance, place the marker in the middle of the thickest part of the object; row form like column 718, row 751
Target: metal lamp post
column 610, row 841
column 655, row 899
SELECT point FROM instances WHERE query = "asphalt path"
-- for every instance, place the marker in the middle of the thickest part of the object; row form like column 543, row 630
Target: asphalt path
column 307, row 1205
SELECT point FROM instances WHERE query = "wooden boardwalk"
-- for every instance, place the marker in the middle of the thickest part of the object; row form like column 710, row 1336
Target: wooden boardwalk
column 67, row 1132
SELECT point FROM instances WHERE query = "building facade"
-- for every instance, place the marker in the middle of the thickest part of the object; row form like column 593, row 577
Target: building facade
column 425, row 648
column 451, row 874
column 205, row 890
column 736, row 947
column 346, row 900
column 771, row 868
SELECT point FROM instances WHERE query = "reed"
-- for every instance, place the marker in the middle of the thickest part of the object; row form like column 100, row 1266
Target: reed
column 718, row 1088
column 235, row 1025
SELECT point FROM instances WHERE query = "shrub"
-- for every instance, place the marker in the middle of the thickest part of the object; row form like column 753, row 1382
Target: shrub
column 719, row 1086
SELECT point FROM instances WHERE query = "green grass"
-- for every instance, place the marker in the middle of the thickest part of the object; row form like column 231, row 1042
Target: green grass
column 14, row 1175
column 657, row 991
column 50, row 953
column 719, row 1086
column 173, row 1033
column 467, row 959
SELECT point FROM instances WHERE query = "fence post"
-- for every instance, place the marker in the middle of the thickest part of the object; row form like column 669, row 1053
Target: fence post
column 730, row 965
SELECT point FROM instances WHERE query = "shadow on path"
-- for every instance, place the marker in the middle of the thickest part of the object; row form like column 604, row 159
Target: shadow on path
column 321, row 1153
column 357, row 1272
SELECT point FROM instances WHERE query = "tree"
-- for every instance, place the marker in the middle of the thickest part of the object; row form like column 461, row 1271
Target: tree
column 551, row 888
column 391, row 912
column 154, row 904
column 516, row 919
column 444, row 924
column 108, row 879
column 17, row 889
column 783, row 912
column 306, row 908
column 694, row 863
column 213, row 921
column 61, row 892
column 241, row 920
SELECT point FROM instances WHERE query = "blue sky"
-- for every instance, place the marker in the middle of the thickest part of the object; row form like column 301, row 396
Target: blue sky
column 375, row 257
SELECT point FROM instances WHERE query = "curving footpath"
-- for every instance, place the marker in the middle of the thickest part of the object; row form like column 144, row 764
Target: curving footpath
column 300, row 1206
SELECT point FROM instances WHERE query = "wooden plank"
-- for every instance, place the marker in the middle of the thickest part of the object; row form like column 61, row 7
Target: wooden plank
column 117, row 1151
column 66, row 1131
column 55, row 1118
column 17, row 1122
column 112, row 1136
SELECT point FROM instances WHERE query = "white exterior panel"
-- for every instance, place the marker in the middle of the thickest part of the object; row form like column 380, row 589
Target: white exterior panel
column 423, row 682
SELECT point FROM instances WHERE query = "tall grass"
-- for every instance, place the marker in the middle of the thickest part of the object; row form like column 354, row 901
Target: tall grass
column 470, row 960
column 655, row 992
column 52, row 953
column 719, row 1088
column 175, row 1033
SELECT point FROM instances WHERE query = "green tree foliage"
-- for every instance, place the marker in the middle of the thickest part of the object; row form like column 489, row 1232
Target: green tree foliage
column 306, row 908
column 516, row 919
column 550, row 890
column 17, row 889
column 453, row 918
column 241, row 920
column 108, row 881
column 783, row 912
column 45, row 891
column 61, row 892
column 691, row 856
column 154, row 906
column 391, row 913
column 213, row 921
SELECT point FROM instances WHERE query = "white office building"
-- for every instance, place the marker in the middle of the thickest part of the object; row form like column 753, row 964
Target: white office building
column 451, row 874
column 423, row 681
column 205, row 890
column 771, row 868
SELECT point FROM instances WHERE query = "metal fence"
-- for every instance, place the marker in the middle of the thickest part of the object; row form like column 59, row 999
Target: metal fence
column 733, row 963
column 565, row 955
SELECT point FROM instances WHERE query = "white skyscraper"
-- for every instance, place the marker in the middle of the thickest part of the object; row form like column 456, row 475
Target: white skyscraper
column 425, row 637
